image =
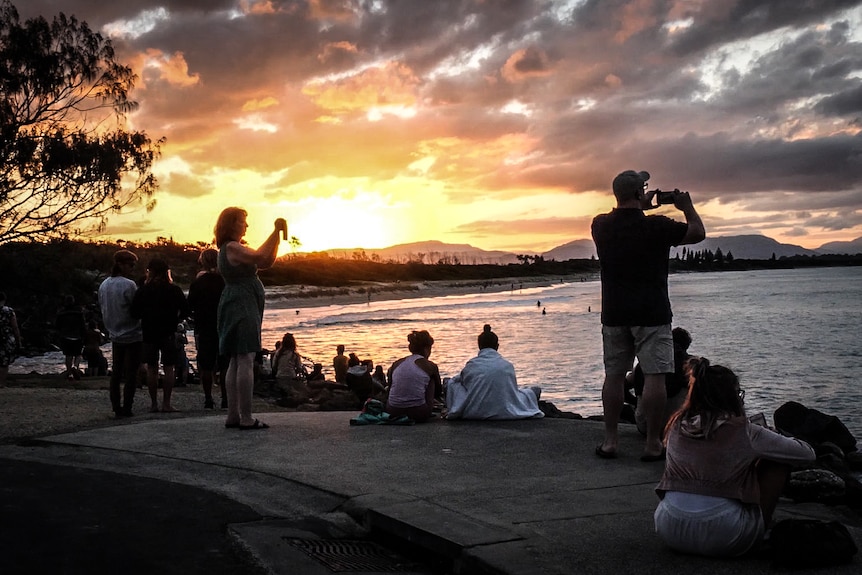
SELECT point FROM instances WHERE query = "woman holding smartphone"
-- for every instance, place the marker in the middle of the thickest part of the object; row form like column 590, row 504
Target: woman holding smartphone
column 240, row 312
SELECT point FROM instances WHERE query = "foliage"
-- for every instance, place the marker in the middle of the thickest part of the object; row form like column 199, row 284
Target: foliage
column 66, row 161
column 38, row 276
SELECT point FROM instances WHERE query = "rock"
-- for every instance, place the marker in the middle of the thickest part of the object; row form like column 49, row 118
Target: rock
column 341, row 401
column 828, row 448
column 834, row 463
column 818, row 485
column 854, row 460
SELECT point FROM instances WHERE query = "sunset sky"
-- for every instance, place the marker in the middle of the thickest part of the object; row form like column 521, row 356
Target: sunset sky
column 497, row 123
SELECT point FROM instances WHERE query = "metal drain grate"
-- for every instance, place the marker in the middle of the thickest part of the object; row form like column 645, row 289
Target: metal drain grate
column 345, row 556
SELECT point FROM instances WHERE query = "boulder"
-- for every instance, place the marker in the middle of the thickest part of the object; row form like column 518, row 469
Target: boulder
column 854, row 460
column 818, row 485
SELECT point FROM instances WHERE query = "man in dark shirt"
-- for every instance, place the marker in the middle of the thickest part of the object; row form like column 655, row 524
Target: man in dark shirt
column 71, row 329
column 204, row 295
column 633, row 250
column 160, row 304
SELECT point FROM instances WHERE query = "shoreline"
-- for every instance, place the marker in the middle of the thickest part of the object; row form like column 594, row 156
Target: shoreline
column 299, row 297
column 304, row 297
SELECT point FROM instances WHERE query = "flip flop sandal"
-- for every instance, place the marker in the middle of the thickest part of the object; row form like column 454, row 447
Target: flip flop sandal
column 605, row 454
column 256, row 425
column 651, row 458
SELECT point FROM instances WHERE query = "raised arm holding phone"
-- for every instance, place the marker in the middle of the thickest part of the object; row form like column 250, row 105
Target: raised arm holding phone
column 240, row 313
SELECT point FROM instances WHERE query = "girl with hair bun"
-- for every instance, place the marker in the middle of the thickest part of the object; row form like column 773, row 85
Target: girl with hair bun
column 414, row 380
column 723, row 474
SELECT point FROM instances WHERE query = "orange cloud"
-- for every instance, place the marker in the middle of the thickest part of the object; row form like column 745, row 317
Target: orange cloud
column 257, row 7
column 337, row 50
column 636, row 16
column 526, row 63
column 172, row 68
column 332, row 9
column 259, row 104
column 392, row 84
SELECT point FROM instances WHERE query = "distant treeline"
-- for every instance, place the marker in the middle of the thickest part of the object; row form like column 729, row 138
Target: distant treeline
column 36, row 277
column 709, row 261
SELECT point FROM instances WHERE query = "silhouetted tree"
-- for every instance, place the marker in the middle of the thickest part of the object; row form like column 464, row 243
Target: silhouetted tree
column 66, row 161
column 294, row 243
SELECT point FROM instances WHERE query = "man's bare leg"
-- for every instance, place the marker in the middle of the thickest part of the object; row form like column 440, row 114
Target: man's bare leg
column 654, row 399
column 613, row 396
column 153, row 387
column 167, row 388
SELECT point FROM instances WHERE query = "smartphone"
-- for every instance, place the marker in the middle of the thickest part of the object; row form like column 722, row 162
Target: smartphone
column 758, row 419
column 663, row 198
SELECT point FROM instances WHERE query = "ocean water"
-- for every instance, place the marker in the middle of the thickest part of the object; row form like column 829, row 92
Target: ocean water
column 790, row 335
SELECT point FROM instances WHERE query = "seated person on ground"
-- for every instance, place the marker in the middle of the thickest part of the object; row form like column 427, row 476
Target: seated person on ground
column 97, row 364
column 287, row 362
column 414, row 380
column 487, row 388
column 378, row 378
column 339, row 364
column 723, row 474
column 317, row 373
column 676, row 383
column 359, row 379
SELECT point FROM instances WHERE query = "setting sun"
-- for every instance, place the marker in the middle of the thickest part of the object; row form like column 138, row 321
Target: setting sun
column 495, row 129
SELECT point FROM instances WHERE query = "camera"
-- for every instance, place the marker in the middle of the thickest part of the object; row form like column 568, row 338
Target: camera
column 662, row 198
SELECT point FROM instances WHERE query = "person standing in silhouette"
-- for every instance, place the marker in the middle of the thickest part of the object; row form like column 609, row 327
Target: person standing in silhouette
column 633, row 251
column 240, row 311
column 160, row 304
column 204, row 295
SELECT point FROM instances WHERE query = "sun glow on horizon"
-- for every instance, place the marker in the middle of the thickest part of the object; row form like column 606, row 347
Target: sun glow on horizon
column 504, row 136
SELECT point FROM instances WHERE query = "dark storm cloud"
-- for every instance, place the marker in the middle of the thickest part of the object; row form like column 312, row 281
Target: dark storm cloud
column 847, row 102
column 721, row 22
column 814, row 65
column 660, row 85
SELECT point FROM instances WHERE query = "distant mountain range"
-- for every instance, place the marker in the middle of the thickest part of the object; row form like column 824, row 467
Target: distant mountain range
column 430, row 252
column 749, row 247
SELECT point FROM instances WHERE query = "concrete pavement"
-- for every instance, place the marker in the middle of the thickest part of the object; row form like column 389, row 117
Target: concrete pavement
column 519, row 497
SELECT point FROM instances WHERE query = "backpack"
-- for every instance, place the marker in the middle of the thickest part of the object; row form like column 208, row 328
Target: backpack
column 806, row 543
column 813, row 426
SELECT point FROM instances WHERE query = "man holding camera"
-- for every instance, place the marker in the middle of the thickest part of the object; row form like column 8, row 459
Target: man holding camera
column 633, row 250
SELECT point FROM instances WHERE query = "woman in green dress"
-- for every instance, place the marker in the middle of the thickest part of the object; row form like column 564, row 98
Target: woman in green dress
column 240, row 311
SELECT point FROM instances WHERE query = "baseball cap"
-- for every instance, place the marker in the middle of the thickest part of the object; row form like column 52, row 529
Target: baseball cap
column 629, row 184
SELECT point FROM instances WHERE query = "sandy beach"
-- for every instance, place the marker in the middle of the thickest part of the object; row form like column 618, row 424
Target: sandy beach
column 288, row 297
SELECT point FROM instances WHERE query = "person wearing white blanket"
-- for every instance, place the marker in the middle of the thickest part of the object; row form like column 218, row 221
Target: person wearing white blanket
column 487, row 388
